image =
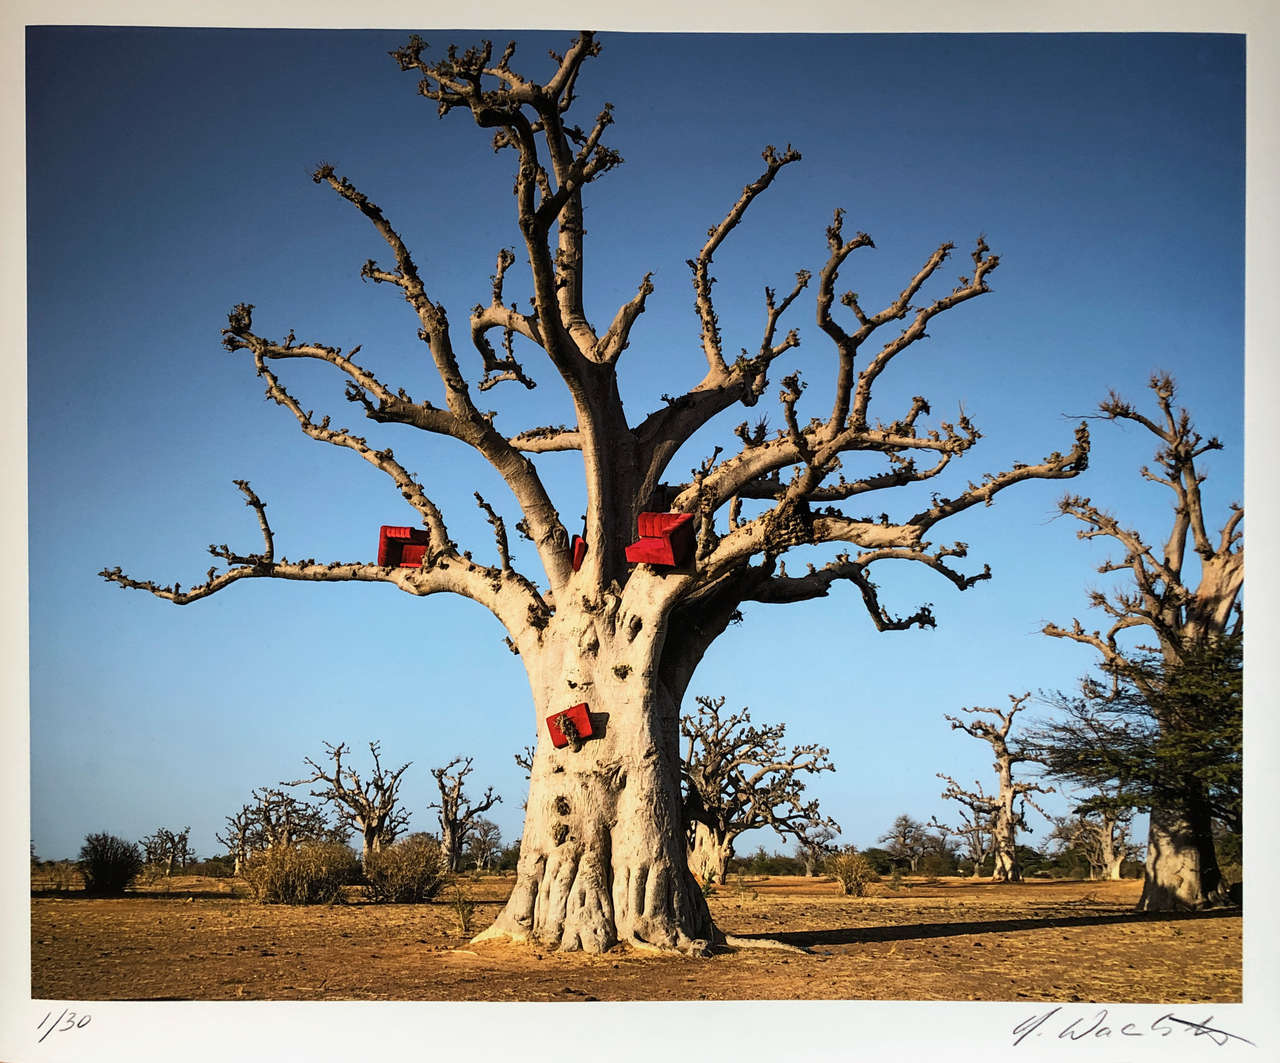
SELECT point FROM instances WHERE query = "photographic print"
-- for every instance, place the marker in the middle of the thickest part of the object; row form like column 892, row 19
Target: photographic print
column 610, row 517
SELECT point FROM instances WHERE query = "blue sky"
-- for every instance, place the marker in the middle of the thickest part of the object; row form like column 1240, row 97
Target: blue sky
column 169, row 179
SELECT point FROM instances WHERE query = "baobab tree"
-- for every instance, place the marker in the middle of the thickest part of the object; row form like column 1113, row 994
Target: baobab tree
column 281, row 820
column 1187, row 619
column 1100, row 836
column 739, row 777
column 165, row 848
column 274, row 819
column 458, row 813
column 1005, row 819
column 906, row 840
column 813, row 845
column 484, row 843
column 976, row 828
column 369, row 808
column 239, row 836
column 603, row 850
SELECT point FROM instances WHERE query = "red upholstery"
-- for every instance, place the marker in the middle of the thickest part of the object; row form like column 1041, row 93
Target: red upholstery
column 656, row 524
column 581, row 720
column 665, row 539
column 402, row 547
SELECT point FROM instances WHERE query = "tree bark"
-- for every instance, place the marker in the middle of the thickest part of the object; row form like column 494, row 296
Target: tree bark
column 372, row 837
column 602, row 856
column 1113, row 846
column 709, row 855
column 1005, row 835
column 1182, row 864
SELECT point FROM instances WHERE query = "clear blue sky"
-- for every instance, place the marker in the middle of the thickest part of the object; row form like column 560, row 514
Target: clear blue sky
column 169, row 180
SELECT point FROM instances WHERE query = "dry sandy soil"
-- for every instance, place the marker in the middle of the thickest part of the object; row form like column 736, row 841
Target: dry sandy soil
column 195, row 939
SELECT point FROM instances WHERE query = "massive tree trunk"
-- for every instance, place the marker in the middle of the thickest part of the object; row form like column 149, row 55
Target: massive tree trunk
column 1182, row 863
column 449, row 848
column 602, row 856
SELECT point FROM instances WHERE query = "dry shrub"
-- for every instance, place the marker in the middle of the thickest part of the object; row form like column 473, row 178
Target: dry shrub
column 464, row 908
column 109, row 864
column 852, row 870
column 407, row 872
column 61, row 875
column 308, row 873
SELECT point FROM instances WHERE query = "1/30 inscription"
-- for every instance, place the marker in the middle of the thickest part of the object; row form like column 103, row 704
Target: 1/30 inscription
column 68, row 1020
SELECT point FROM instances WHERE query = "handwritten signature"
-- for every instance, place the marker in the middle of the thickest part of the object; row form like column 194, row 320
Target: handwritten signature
column 1099, row 1024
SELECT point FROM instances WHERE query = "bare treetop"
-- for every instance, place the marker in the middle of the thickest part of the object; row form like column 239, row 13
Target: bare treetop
column 458, row 812
column 368, row 807
column 1180, row 615
column 626, row 466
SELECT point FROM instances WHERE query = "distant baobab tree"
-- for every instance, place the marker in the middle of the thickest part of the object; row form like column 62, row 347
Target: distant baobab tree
column 368, row 808
column 976, row 824
column 275, row 819
column 1005, row 819
column 1190, row 621
column 740, row 777
column 459, row 815
column 166, row 848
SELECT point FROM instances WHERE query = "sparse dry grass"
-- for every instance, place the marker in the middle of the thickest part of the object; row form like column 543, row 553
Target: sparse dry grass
column 195, row 939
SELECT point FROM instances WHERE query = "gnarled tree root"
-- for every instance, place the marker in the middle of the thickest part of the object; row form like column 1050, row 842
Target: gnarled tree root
column 763, row 943
column 697, row 947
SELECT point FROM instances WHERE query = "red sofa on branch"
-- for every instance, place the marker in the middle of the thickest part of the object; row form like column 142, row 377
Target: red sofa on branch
column 579, row 551
column 665, row 539
column 402, row 547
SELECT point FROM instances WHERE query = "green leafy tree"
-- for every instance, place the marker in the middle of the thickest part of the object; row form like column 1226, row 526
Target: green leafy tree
column 1161, row 736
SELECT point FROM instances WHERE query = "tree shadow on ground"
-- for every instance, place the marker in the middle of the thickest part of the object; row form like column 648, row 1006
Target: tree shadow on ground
column 137, row 892
column 921, row 931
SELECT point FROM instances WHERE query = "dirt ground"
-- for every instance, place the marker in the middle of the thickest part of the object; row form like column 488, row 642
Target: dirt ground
column 950, row 939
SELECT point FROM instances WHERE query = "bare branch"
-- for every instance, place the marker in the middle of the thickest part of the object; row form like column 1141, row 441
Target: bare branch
column 499, row 532
column 701, row 266
column 1182, row 616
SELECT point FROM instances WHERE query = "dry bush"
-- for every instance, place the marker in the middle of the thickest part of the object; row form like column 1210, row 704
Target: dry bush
column 60, row 875
column 308, row 873
column 852, row 870
column 464, row 908
column 407, row 872
column 109, row 864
